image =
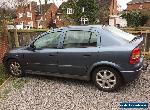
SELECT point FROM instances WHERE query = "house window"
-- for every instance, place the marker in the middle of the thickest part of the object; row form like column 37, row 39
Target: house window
column 83, row 10
column 84, row 20
column 141, row 7
column 29, row 14
column 69, row 11
column 21, row 23
column 20, row 15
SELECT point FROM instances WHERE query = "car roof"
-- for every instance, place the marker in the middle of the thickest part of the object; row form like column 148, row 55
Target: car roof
column 88, row 26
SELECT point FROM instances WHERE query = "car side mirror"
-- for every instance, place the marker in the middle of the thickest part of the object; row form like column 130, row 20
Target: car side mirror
column 32, row 46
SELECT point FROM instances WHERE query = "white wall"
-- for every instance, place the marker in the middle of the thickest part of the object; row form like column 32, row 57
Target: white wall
column 117, row 20
column 19, row 26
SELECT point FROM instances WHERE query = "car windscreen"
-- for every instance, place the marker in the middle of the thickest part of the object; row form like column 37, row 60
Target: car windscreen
column 119, row 33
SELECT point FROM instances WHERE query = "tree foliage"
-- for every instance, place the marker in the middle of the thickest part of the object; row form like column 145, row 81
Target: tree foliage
column 97, row 11
column 90, row 7
column 135, row 18
column 90, row 10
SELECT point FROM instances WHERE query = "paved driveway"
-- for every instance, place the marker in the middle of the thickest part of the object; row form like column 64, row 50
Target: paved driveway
column 42, row 93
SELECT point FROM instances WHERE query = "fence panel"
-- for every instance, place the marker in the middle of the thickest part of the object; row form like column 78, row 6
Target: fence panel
column 26, row 36
column 146, row 35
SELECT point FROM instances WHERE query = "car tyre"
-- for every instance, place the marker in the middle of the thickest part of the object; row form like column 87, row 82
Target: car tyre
column 15, row 68
column 107, row 79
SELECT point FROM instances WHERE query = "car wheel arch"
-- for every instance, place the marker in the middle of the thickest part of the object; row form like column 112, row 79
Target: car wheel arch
column 9, row 59
column 104, row 65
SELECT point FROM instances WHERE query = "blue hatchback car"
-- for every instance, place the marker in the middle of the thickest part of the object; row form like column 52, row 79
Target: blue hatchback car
column 104, row 54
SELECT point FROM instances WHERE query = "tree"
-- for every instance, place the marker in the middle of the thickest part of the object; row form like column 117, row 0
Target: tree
column 20, row 2
column 90, row 8
column 8, row 14
column 135, row 18
column 68, row 19
column 104, row 11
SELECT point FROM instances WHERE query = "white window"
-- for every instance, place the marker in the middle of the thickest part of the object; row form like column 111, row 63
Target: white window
column 70, row 11
column 20, row 15
column 29, row 14
column 57, row 17
column 83, row 10
column 30, row 23
column 141, row 7
column 84, row 20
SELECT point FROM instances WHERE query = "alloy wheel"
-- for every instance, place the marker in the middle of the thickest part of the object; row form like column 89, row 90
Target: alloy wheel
column 106, row 79
column 15, row 68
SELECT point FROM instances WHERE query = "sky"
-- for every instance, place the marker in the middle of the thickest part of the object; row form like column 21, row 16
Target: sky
column 122, row 3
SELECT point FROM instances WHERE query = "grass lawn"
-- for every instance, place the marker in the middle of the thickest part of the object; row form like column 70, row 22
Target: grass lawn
column 3, row 74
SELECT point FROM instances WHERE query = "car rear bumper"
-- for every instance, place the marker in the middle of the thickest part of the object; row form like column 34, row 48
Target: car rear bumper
column 131, row 75
column 135, row 72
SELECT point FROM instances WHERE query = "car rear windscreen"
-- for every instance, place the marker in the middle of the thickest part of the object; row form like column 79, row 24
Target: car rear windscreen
column 119, row 33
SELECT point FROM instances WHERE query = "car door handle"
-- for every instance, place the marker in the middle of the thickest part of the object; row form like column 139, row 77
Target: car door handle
column 87, row 55
column 51, row 55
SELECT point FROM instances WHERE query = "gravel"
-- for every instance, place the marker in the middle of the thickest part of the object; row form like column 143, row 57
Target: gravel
column 49, row 93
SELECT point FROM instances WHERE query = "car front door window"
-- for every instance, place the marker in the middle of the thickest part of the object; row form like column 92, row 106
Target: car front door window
column 49, row 40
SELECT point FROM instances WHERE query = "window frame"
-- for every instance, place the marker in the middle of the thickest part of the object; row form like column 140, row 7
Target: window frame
column 29, row 14
column 84, row 30
column 70, row 11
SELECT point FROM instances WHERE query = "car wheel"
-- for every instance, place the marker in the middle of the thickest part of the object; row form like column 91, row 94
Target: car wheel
column 15, row 68
column 106, row 79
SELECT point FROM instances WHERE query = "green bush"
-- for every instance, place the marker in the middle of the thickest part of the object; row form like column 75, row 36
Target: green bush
column 135, row 18
column 3, row 74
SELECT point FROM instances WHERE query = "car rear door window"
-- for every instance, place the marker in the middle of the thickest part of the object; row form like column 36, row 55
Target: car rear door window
column 80, row 39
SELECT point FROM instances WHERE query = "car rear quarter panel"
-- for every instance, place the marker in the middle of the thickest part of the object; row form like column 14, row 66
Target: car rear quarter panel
column 114, row 56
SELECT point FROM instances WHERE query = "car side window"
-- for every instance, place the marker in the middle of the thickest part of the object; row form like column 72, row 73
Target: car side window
column 80, row 39
column 49, row 40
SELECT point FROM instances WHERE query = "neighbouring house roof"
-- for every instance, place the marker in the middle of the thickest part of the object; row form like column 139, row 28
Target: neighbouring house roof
column 60, row 9
column 138, row 1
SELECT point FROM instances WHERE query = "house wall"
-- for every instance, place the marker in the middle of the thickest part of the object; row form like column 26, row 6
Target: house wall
column 36, row 17
column 136, row 6
column 49, row 16
column 24, row 9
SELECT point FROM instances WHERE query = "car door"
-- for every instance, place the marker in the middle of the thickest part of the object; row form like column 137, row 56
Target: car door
column 44, row 57
column 79, row 52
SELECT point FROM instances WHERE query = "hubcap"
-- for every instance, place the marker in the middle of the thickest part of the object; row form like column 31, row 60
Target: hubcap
column 15, row 68
column 106, row 79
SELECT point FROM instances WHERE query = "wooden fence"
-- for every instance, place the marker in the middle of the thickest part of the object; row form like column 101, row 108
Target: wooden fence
column 24, row 37
column 145, row 33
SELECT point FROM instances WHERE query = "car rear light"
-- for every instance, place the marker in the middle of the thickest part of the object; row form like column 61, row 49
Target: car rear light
column 135, row 56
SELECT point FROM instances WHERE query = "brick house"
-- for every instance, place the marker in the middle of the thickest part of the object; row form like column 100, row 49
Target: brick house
column 141, row 5
column 35, row 16
column 138, row 5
